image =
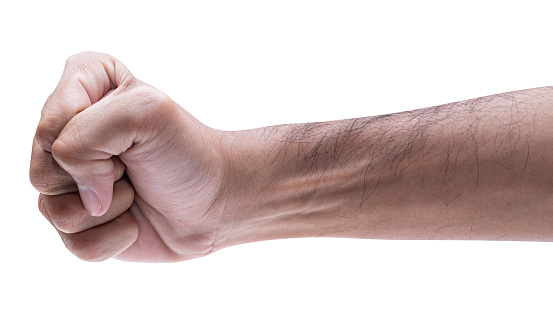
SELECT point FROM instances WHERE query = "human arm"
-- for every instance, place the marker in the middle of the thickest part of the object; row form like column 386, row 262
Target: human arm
column 476, row 169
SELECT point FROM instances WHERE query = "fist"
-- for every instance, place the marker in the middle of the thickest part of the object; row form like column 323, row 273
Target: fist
column 125, row 172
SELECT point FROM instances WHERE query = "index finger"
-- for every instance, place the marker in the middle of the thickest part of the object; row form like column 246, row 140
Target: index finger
column 87, row 78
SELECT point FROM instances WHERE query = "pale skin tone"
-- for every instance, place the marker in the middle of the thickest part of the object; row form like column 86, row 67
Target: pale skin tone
column 170, row 188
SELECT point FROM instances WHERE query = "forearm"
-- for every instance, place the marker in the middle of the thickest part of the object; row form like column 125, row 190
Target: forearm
column 477, row 169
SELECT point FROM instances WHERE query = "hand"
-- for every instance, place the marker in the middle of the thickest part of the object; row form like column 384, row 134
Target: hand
column 123, row 171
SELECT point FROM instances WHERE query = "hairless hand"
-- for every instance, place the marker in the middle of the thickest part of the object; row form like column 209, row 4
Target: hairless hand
column 123, row 170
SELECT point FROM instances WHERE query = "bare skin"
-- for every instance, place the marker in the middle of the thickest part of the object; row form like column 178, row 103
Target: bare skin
column 170, row 188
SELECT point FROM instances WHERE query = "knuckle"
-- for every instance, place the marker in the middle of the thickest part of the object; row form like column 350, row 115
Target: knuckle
column 46, row 134
column 43, row 186
column 36, row 176
column 85, row 61
column 79, row 58
column 149, row 94
column 46, row 104
column 128, row 81
column 62, row 214
column 42, row 207
column 48, row 185
column 88, row 251
column 152, row 101
column 150, row 109
column 75, row 58
column 75, row 62
column 64, row 223
column 82, row 248
column 61, row 151
column 47, row 177
column 44, row 181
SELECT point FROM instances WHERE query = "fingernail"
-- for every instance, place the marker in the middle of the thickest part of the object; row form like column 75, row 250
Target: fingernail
column 90, row 200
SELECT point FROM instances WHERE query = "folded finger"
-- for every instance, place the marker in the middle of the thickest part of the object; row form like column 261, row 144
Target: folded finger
column 105, row 241
column 66, row 212
column 48, row 177
column 87, row 78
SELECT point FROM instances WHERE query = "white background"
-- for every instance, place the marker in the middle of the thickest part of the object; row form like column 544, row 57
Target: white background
column 244, row 64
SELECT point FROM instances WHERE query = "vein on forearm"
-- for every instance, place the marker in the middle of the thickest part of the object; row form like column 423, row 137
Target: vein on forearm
column 477, row 169
column 431, row 141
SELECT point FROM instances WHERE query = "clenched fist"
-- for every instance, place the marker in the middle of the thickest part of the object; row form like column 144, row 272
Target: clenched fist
column 124, row 171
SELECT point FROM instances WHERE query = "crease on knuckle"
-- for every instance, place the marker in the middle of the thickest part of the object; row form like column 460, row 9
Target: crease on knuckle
column 45, row 134
column 153, row 104
column 62, row 152
column 43, row 209
column 150, row 97
column 66, row 216
column 46, row 104
column 83, row 247
column 80, row 60
column 37, row 177
column 88, row 251
column 44, row 182
column 61, row 213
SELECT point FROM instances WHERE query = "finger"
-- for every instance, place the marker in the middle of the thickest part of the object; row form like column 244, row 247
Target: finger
column 104, row 241
column 119, row 168
column 110, row 127
column 87, row 78
column 66, row 212
column 48, row 177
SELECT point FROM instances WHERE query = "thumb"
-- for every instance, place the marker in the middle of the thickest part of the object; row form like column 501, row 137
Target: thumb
column 108, row 128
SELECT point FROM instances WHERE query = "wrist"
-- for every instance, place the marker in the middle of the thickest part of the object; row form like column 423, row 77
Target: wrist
column 276, row 191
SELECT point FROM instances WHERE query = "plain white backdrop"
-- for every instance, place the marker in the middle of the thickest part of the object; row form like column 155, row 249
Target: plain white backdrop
column 244, row 64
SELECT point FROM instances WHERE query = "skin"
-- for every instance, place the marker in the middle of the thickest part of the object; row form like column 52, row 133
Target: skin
column 125, row 172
